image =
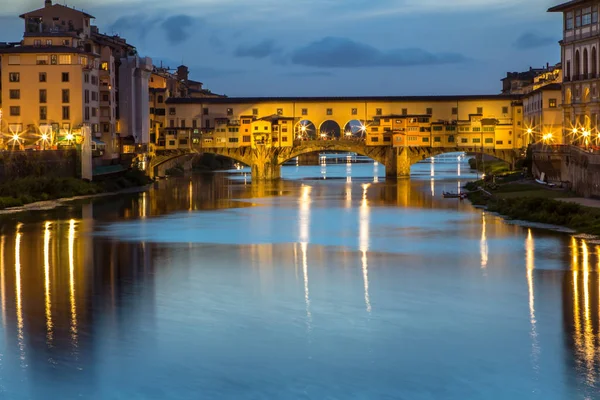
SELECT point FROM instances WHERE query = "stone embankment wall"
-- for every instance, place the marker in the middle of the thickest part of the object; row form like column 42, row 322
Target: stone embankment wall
column 578, row 167
column 21, row 164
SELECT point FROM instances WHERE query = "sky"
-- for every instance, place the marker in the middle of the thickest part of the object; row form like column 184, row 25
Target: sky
column 329, row 47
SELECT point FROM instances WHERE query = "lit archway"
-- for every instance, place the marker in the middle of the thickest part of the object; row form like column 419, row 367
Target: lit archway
column 586, row 94
column 568, row 96
column 329, row 130
column 355, row 129
column 305, row 130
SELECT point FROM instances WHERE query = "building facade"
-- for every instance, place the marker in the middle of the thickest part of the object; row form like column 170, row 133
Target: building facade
column 63, row 76
column 581, row 80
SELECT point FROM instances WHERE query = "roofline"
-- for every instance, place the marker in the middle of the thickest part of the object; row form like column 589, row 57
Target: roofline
column 56, row 4
column 550, row 86
column 236, row 100
column 567, row 5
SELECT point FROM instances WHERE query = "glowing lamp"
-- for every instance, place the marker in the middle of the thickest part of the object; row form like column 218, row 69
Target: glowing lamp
column 15, row 137
column 303, row 129
column 44, row 137
column 530, row 131
column 586, row 133
column 70, row 136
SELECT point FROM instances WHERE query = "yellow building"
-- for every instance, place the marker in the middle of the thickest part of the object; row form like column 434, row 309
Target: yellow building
column 50, row 80
column 437, row 121
column 543, row 115
column 581, row 78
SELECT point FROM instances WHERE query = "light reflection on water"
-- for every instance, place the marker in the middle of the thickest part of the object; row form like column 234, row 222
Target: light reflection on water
column 345, row 288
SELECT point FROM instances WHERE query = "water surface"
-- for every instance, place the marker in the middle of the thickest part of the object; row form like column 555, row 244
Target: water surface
column 330, row 284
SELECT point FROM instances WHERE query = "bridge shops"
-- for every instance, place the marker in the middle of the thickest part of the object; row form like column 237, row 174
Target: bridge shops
column 492, row 121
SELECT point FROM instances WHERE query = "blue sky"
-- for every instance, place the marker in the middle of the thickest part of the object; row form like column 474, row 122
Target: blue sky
column 330, row 47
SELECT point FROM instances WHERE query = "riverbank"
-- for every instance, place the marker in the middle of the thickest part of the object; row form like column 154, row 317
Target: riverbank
column 36, row 192
column 528, row 201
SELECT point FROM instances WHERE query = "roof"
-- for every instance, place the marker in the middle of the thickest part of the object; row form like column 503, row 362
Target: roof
column 56, row 6
column 404, row 116
column 551, row 86
column 43, row 49
column 566, row 6
column 237, row 100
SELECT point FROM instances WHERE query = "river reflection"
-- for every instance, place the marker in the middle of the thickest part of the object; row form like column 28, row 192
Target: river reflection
column 306, row 288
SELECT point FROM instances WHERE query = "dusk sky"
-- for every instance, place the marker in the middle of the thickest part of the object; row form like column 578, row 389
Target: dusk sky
column 329, row 47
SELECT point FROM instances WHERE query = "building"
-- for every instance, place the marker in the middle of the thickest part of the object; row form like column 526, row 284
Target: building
column 440, row 121
column 581, row 81
column 65, row 75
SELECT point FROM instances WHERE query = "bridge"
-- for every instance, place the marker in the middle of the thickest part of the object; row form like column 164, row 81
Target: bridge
column 265, row 161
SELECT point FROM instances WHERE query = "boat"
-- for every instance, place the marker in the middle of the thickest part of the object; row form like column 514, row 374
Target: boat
column 450, row 195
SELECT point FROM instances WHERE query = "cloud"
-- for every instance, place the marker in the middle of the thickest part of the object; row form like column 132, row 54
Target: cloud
column 335, row 52
column 262, row 49
column 308, row 74
column 531, row 40
column 177, row 28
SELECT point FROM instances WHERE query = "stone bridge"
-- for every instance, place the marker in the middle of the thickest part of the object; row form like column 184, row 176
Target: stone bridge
column 266, row 161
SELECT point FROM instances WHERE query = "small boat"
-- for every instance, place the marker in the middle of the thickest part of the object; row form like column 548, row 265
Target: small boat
column 450, row 195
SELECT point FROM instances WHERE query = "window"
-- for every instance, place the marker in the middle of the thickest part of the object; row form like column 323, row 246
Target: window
column 305, row 111
column 94, row 96
column 87, row 113
column 266, row 128
column 64, row 59
column 489, row 140
column 233, row 140
column 476, row 129
column 552, row 103
column 66, row 114
column 15, row 94
column 14, row 77
column 15, row 128
column 86, row 96
column 42, row 77
column 437, row 139
column 94, row 112
column 43, row 96
column 595, row 16
column 354, row 111
column 330, row 111
column 14, row 60
column 577, row 18
column 450, row 128
column 37, row 43
column 65, row 95
column 182, row 123
column 15, row 111
column 230, row 111
column 280, row 111
column 171, row 110
column 104, row 66
column 488, row 129
column 194, row 123
column 255, row 111
column 43, row 113
column 404, row 111
column 86, row 78
column 429, row 111
column 65, row 77
column 451, row 139
column 438, row 128
column 425, row 139
column 246, row 139
column 454, row 110
column 504, row 110
column 66, row 42
column 53, row 59
column 569, row 20
column 171, row 123
column 499, row 142
column 95, row 80
column 105, row 127
column 41, row 60
column 374, row 139
column 479, row 110
column 374, row 129
column 586, row 18
column 256, row 128
column 476, row 140
column 464, row 140
column 378, row 111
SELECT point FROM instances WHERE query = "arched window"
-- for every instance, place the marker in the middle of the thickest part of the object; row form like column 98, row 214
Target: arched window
column 577, row 65
column 585, row 64
column 594, row 63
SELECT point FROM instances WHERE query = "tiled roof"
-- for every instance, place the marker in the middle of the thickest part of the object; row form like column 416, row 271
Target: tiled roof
column 567, row 5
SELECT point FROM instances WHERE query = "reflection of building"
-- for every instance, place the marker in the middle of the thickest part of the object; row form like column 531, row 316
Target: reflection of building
column 580, row 45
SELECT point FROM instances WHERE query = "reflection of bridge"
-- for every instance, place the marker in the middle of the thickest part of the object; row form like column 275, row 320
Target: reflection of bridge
column 266, row 161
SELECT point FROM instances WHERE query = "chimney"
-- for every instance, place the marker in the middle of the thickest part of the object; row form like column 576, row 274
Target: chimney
column 48, row 3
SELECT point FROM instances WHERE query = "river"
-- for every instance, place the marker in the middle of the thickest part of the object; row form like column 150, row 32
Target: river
column 329, row 284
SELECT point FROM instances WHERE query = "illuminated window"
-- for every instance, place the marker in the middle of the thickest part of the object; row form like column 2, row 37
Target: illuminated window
column 64, row 59
column 104, row 66
column 14, row 60
column 280, row 111
column 14, row 77
column 552, row 103
column 42, row 60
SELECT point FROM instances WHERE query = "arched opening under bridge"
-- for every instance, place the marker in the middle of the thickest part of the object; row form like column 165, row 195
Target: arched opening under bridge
column 355, row 129
column 329, row 130
column 305, row 130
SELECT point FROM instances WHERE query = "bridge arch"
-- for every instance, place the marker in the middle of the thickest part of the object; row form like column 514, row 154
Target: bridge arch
column 305, row 130
column 380, row 154
column 330, row 129
column 355, row 128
